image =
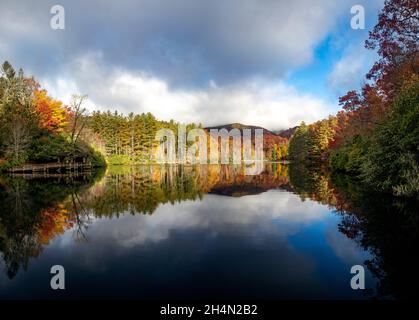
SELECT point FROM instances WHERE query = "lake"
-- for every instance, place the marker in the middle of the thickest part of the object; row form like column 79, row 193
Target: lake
column 203, row 232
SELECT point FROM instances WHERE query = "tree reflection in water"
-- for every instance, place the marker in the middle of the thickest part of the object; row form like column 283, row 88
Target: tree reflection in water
column 34, row 211
column 386, row 226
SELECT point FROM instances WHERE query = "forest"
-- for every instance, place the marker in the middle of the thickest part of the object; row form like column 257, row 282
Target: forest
column 354, row 173
column 37, row 128
column 375, row 137
column 34, row 127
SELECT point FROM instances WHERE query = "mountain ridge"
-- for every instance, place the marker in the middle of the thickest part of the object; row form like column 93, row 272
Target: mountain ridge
column 270, row 138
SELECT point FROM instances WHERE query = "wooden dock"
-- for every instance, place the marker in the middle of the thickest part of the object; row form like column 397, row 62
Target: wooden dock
column 52, row 167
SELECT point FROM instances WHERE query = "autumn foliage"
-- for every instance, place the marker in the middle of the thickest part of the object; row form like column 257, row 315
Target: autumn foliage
column 374, row 119
column 53, row 115
column 36, row 128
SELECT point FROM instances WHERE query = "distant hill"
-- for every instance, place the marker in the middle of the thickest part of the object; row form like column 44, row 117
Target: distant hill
column 269, row 137
column 286, row 133
column 240, row 127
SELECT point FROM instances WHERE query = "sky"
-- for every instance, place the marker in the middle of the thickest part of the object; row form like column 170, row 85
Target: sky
column 272, row 63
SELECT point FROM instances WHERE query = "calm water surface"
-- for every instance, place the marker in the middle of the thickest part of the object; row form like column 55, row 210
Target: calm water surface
column 173, row 232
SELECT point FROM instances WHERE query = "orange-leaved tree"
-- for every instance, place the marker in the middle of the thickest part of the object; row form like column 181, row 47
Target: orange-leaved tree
column 52, row 114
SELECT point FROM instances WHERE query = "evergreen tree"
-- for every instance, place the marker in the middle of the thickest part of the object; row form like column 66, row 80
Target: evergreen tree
column 298, row 147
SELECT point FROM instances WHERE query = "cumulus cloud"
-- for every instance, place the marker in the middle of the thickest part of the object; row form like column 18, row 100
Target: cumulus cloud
column 204, row 61
column 349, row 71
column 184, row 42
column 274, row 105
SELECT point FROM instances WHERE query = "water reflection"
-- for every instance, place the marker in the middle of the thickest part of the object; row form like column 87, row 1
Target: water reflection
column 203, row 231
column 35, row 211
column 383, row 225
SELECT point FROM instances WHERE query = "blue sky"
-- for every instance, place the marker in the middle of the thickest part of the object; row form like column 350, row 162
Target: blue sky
column 340, row 45
column 272, row 63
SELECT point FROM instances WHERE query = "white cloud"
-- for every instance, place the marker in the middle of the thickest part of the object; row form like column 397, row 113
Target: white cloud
column 349, row 72
column 270, row 104
column 182, row 41
column 204, row 61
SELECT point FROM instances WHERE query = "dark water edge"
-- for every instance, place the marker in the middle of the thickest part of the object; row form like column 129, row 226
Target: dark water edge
column 204, row 232
column 381, row 223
